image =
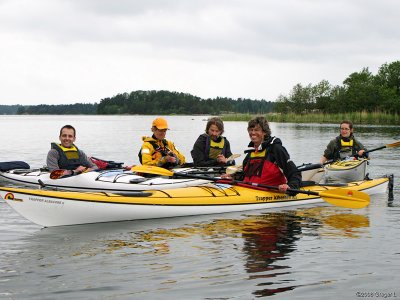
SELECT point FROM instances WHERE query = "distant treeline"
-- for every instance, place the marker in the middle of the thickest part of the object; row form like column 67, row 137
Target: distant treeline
column 149, row 103
column 9, row 109
column 361, row 91
column 63, row 109
column 165, row 103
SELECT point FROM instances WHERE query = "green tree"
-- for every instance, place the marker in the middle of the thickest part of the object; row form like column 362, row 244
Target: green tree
column 361, row 92
column 389, row 75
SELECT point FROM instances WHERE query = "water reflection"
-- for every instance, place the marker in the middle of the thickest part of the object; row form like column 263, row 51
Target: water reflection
column 269, row 240
column 211, row 250
column 335, row 225
column 273, row 238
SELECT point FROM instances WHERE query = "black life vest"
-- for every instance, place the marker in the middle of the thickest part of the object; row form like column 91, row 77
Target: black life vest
column 69, row 158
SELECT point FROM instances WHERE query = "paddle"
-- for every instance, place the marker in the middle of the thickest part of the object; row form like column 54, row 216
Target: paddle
column 339, row 197
column 234, row 169
column 396, row 144
column 232, row 157
column 152, row 170
column 59, row 173
column 305, row 167
column 165, row 172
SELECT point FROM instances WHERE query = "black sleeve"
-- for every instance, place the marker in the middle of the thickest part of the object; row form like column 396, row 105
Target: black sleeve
column 228, row 151
column 282, row 158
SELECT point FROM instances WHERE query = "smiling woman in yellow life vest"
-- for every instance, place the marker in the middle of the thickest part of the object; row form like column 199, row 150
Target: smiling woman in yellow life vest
column 344, row 145
column 211, row 148
column 158, row 151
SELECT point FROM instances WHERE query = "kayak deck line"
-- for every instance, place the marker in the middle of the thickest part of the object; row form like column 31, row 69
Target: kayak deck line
column 113, row 181
column 164, row 197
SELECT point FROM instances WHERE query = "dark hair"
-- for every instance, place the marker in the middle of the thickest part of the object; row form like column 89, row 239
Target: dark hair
column 68, row 127
column 263, row 124
column 217, row 122
column 347, row 122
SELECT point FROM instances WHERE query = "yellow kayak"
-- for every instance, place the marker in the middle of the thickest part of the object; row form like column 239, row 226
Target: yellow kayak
column 56, row 208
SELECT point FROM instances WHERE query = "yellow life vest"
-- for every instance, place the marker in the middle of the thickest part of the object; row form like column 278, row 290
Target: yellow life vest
column 70, row 153
column 216, row 148
column 346, row 148
column 346, row 144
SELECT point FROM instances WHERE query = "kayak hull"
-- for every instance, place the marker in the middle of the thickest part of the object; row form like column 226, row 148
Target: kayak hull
column 315, row 175
column 346, row 171
column 55, row 208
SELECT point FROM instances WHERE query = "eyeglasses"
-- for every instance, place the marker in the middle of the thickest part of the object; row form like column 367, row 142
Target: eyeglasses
column 345, row 129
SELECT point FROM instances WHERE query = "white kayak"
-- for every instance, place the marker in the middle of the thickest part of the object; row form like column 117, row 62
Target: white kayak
column 105, row 180
column 342, row 171
column 346, row 170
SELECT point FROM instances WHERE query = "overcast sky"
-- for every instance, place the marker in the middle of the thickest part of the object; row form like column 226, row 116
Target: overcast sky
column 81, row 51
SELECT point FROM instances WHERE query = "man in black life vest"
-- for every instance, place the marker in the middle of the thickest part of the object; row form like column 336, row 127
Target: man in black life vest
column 67, row 156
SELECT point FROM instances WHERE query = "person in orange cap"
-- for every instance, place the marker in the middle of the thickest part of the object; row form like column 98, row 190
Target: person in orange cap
column 158, row 151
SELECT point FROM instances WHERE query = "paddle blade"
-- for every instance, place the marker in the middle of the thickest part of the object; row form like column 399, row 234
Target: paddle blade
column 396, row 144
column 232, row 157
column 56, row 174
column 152, row 170
column 346, row 198
column 234, row 169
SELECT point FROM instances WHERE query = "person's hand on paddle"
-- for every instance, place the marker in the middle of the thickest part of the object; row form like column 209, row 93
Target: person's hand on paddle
column 129, row 167
column 221, row 159
column 81, row 169
column 283, row 187
column 67, row 173
column 361, row 153
column 171, row 158
column 226, row 176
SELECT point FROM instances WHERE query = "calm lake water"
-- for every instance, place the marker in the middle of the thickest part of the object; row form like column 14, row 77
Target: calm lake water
column 322, row 252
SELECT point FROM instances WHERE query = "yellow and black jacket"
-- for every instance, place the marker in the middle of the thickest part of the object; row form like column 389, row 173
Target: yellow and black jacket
column 153, row 153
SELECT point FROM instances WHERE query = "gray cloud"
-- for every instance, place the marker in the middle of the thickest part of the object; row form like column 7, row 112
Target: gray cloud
column 291, row 40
